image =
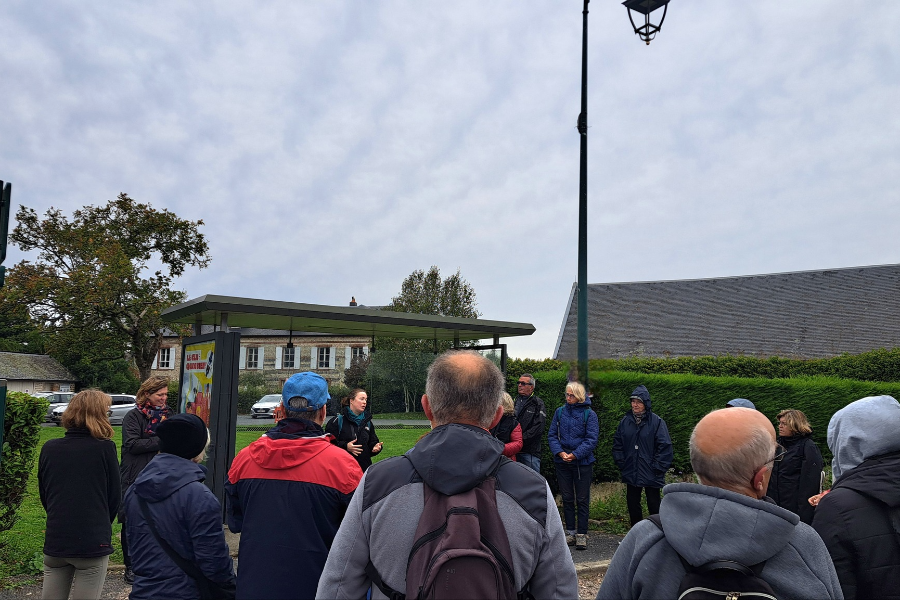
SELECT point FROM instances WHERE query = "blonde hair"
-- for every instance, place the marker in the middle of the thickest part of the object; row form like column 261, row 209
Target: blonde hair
column 795, row 420
column 508, row 406
column 89, row 409
column 150, row 386
column 576, row 389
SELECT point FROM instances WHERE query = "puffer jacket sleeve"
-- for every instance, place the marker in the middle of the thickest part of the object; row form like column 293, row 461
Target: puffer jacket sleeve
column 618, row 447
column 515, row 442
column 553, row 434
column 592, row 433
column 663, row 454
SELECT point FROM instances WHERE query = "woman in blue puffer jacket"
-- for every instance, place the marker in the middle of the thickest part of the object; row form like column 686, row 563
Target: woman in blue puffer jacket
column 573, row 437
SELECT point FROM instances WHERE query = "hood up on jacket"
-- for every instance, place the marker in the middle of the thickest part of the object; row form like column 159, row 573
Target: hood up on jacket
column 454, row 458
column 704, row 523
column 166, row 474
column 642, row 393
column 863, row 429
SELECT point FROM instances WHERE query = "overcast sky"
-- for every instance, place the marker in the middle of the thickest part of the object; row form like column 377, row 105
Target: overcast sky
column 332, row 148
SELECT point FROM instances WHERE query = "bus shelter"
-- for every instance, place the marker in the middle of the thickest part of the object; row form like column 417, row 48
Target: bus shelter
column 209, row 362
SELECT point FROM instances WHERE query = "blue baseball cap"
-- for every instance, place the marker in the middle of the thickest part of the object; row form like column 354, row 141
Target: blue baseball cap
column 311, row 386
column 740, row 403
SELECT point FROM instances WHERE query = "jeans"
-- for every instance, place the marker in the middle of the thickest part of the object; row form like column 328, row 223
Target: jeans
column 88, row 574
column 633, row 497
column 530, row 460
column 575, row 487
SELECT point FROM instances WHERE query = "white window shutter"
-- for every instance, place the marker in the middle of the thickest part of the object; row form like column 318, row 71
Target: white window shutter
column 314, row 359
column 262, row 355
column 277, row 357
column 153, row 366
column 366, row 350
column 331, row 353
column 242, row 360
column 347, row 356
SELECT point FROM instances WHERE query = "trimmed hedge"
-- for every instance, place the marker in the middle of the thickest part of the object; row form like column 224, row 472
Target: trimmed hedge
column 24, row 415
column 682, row 400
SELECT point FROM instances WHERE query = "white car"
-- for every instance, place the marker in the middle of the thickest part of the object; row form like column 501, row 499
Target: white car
column 121, row 404
column 56, row 399
column 265, row 406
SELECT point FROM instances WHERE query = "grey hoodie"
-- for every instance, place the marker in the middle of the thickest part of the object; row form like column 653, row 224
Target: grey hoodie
column 863, row 429
column 704, row 523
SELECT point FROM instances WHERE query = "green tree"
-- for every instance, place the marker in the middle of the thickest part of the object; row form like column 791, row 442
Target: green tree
column 427, row 294
column 92, row 273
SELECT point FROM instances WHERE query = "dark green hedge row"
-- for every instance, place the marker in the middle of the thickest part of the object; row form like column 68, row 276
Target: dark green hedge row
column 682, row 400
column 22, row 427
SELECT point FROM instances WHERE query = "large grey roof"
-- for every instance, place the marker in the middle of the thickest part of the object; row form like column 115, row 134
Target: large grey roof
column 806, row 314
column 14, row 365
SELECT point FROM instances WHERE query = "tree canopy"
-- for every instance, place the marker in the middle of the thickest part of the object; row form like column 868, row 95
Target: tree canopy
column 93, row 273
column 427, row 294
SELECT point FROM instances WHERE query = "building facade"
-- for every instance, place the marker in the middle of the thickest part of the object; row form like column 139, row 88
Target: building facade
column 35, row 373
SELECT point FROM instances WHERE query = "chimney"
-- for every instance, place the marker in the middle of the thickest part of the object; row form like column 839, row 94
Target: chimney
column 353, row 301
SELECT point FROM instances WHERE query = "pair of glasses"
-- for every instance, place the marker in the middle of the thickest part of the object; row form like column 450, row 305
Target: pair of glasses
column 779, row 454
column 568, row 395
column 525, row 383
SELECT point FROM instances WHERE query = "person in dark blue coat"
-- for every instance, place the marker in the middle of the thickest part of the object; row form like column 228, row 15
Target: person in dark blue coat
column 642, row 450
column 184, row 512
column 573, row 435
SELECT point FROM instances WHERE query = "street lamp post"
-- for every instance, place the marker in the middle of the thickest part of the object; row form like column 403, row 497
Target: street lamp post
column 646, row 32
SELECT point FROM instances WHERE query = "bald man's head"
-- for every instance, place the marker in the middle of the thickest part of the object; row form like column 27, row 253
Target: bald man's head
column 464, row 387
column 729, row 446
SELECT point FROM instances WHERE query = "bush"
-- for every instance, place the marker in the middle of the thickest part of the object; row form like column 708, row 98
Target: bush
column 251, row 387
column 682, row 400
column 24, row 415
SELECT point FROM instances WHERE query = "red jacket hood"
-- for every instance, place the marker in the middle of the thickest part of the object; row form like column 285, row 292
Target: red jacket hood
column 286, row 453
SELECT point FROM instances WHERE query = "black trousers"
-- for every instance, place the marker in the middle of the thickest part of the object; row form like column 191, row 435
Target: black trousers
column 633, row 497
column 126, row 557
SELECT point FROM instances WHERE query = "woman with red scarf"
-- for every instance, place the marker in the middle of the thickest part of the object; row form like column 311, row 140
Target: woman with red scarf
column 140, row 444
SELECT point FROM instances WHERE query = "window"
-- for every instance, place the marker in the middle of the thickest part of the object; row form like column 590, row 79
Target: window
column 325, row 357
column 165, row 358
column 357, row 353
column 287, row 358
column 252, row 358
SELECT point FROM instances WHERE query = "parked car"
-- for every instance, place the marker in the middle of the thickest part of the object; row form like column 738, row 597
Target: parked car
column 265, row 406
column 121, row 404
column 56, row 399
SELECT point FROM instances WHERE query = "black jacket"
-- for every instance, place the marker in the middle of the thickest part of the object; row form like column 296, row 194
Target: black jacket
column 78, row 481
column 138, row 449
column 531, row 416
column 859, row 521
column 350, row 431
column 797, row 476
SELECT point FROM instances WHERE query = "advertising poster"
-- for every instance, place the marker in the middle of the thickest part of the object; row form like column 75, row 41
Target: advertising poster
column 197, row 379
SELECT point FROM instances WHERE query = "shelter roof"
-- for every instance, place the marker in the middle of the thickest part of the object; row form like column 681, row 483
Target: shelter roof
column 342, row 320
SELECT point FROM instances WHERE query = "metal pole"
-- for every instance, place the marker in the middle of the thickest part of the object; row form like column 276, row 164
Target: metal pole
column 2, row 414
column 582, row 213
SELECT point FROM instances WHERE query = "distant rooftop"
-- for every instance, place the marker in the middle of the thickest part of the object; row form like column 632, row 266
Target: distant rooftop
column 15, row 365
column 805, row 314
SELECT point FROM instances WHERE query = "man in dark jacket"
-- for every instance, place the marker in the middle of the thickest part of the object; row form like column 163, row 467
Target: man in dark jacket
column 531, row 416
column 287, row 494
column 184, row 513
column 859, row 520
column 642, row 450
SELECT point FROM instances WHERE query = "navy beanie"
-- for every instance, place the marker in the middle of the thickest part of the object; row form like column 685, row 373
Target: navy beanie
column 183, row 435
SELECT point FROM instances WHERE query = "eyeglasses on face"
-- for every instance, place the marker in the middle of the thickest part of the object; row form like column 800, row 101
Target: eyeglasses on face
column 779, row 454
column 570, row 395
column 525, row 383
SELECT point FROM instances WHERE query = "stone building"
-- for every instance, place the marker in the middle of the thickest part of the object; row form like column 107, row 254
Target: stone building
column 35, row 373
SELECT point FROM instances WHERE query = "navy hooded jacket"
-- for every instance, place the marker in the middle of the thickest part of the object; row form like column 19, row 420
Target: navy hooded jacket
column 187, row 516
column 574, row 428
column 643, row 452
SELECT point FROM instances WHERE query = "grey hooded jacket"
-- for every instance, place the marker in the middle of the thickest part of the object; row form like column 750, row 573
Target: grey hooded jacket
column 703, row 524
column 382, row 517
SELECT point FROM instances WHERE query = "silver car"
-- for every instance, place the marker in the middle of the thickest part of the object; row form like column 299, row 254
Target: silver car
column 121, row 405
column 56, row 399
column 265, row 406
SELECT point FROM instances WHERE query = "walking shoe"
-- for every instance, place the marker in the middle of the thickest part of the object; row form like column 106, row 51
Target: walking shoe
column 581, row 541
column 128, row 576
column 570, row 539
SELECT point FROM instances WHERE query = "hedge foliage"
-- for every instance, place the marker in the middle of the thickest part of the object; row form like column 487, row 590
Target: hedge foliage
column 682, row 400
column 24, row 415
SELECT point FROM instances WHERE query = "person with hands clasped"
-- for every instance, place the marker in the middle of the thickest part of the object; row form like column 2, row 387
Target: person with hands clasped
column 353, row 429
column 573, row 436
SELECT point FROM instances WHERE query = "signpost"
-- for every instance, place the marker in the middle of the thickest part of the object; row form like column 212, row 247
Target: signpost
column 5, row 207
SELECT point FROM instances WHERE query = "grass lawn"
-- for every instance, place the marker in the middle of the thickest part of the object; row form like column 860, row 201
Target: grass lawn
column 21, row 547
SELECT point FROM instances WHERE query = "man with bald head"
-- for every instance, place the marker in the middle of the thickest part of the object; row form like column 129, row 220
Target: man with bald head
column 727, row 516
column 463, row 401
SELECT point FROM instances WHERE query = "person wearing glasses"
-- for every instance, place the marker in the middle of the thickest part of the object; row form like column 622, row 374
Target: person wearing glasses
column 574, row 431
column 531, row 416
column 796, row 477
column 725, row 517
column 642, row 450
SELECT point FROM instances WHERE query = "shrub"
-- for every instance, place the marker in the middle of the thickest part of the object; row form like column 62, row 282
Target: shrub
column 251, row 387
column 24, row 415
column 682, row 400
